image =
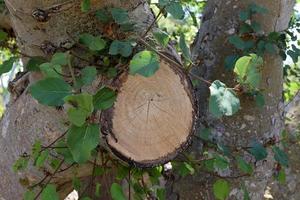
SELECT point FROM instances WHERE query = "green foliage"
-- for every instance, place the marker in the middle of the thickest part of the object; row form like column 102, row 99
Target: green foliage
column 29, row 195
column 258, row 151
column 247, row 69
column 281, row 177
column 244, row 166
column 162, row 37
column 3, row 35
column 185, row 169
column 185, row 49
column 145, row 63
column 49, row 193
column 120, row 16
column 7, row 65
column 173, row 7
column 221, row 189
column 122, row 48
column 50, row 91
column 88, row 75
column 34, row 63
column 223, row 100
column 82, row 140
column 20, row 164
column 117, row 192
column 40, row 161
column 94, row 43
column 85, row 5
column 104, row 98
column 82, row 107
column 280, row 156
column 220, row 162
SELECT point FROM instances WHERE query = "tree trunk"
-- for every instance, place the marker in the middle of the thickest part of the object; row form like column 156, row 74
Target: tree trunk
column 221, row 20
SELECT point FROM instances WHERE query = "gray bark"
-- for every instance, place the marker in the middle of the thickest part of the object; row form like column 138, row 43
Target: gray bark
column 220, row 20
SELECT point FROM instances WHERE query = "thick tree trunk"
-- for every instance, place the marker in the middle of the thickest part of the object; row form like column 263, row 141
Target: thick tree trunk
column 43, row 27
column 220, row 20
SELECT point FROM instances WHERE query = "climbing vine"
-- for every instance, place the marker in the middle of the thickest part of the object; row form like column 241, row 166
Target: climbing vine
column 117, row 50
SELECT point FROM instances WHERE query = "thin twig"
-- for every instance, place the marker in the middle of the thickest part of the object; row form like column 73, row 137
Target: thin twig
column 153, row 23
column 51, row 144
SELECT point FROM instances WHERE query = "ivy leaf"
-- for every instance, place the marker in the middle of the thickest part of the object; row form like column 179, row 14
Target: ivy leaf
column 82, row 108
column 34, row 63
column 85, row 5
column 280, row 156
column 257, row 9
column 50, row 91
column 244, row 15
column 97, row 190
column 65, row 152
column 3, row 35
column 145, row 63
column 51, row 70
column 7, row 65
column 116, row 192
column 82, row 140
column 104, row 98
column 205, row 134
column 185, row 49
column 103, row 16
column 20, row 164
column 186, row 169
column 248, row 70
column 244, row 166
column 221, row 189
column 161, row 193
column 120, row 16
column 60, row 59
column 123, row 48
column 176, row 10
column 258, row 151
column 220, row 162
column 259, row 99
column 222, row 101
column 42, row 158
column 237, row 42
column 88, row 75
column 92, row 42
column 49, row 193
column 162, row 37
column 281, row 177
column 29, row 195
column 230, row 61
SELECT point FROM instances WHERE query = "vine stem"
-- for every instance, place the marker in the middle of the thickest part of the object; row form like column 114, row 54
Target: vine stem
column 52, row 143
column 153, row 23
column 71, row 69
column 51, row 177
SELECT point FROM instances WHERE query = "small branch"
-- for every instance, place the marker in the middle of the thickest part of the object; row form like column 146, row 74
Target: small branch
column 50, row 178
column 153, row 23
column 51, row 144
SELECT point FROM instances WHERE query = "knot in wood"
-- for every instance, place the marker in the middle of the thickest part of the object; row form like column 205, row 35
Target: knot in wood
column 40, row 15
column 48, row 48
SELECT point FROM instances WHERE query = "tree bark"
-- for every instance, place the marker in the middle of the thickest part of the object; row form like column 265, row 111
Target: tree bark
column 42, row 28
column 221, row 20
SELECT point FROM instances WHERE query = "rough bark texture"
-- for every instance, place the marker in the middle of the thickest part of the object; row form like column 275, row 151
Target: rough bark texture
column 220, row 20
column 25, row 120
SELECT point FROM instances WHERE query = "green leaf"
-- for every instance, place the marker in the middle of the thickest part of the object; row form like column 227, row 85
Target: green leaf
column 50, row 91
column 185, row 169
column 88, row 75
column 246, row 193
column 36, row 149
column 222, row 101
column 248, row 70
column 60, row 59
column 259, row 99
column 237, row 42
column 7, row 65
column 20, row 164
column 3, row 35
column 65, row 152
column 82, row 140
column 92, row 42
column 230, row 61
column 76, row 183
column 162, row 37
column 51, row 70
column 85, row 5
column 145, row 63
column 221, row 189
column 123, row 48
column 244, row 15
column 280, row 156
column 103, row 16
column 220, row 162
column 271, row 48
column 86, row 198
column 82, row 108
column 257, row 9
column 29, row 195
column 185, row 49
column 258, row 151
column 244, row 166
column 256, row 27
column 49, row 193
column 205, row 134
column 42, row 158
column 120, row 15
column 98, row 190
column 104, row 98
column 34, row 63
column 176, row 10
column 161, row 193
column 281, row 177
column 116, row 192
